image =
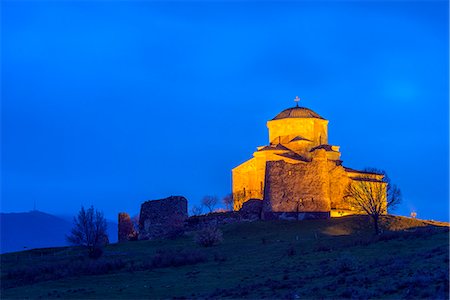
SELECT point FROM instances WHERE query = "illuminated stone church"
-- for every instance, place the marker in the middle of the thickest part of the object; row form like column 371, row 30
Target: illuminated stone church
column 298, row 171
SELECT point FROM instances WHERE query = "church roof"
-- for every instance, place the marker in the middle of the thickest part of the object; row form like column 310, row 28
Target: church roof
column 324, row 146
column 350, row 170
column 295, row 156
column 297, row 112
column 274, row 147
column 299, row 138
column 367, row 179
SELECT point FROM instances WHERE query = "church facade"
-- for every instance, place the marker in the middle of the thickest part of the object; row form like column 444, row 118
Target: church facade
column 298, row 171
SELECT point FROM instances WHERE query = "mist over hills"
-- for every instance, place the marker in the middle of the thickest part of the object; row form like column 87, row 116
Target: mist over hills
column 36, row 229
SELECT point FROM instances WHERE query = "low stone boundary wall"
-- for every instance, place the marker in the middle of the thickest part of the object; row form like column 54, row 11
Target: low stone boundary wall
column 168, row 218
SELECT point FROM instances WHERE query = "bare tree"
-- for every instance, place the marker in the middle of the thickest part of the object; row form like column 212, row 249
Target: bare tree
column 373, row 195
column 228, row 202
column 210, row 202
column 89, row 231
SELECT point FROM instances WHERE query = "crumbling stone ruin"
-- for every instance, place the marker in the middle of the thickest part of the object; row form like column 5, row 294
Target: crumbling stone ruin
column 248, row 213
column 159, row 217
column 298, row 175
column 167, row 218
column 251, row 209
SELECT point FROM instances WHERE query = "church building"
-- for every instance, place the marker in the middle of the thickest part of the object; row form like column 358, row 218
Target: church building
column 298, row 171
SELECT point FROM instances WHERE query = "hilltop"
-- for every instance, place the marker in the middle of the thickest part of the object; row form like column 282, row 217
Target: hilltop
column 334, row 258
column 34, row 229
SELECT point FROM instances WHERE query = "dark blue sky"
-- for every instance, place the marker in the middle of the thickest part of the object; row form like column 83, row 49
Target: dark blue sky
column 114, row 103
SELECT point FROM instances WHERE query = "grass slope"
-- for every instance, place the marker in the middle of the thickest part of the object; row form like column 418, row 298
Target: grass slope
column 336, row 258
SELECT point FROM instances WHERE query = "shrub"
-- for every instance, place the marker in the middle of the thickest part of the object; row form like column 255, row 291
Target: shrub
column 209, row 236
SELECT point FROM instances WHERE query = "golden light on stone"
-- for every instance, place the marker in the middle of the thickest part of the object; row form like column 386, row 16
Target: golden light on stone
column 298, row 171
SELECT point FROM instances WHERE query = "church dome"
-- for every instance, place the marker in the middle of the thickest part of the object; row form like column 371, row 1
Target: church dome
column 297, row 112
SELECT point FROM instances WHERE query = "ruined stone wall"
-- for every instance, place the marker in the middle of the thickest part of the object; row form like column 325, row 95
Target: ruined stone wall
column 302, row 187
column 250, row 212
column 159, row 217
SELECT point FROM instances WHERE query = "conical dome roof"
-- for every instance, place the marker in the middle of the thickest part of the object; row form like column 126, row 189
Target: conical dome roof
column 297, row 112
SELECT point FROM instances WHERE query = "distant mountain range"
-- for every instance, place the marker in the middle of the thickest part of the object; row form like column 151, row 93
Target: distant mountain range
column 36, row 229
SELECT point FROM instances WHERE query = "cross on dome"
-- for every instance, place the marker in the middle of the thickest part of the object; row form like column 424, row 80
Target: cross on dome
column 297, row 99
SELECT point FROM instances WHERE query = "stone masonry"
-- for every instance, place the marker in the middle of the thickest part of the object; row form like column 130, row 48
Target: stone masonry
column 159, row 217
column 298, row 175
column 284, row 191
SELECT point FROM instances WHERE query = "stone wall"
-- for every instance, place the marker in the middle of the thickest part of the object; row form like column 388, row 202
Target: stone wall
column 247, row 181
column 302, row 187
column 159, row 218
column 338, row 184
column 252, row 209
column 250, row 212
column 167, row 218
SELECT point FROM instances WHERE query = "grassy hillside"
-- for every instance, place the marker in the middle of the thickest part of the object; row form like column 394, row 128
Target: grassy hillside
column 337, row 258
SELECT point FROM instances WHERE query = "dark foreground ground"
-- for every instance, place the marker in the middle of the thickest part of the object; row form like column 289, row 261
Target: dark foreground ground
column 337, row 258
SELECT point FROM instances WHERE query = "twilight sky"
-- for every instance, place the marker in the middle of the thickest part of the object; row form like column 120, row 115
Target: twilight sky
column 112, row 103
